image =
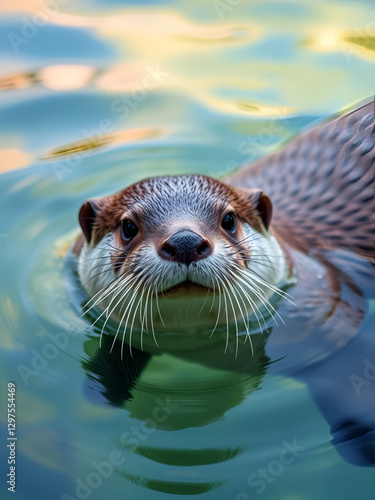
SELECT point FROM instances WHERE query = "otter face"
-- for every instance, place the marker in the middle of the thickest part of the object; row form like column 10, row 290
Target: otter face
column 179, row 253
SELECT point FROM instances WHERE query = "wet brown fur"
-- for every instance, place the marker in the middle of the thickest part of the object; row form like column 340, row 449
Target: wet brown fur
column 129, row 203
column 322, row 185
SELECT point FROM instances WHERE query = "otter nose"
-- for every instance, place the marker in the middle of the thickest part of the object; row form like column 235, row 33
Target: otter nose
column 185, row 247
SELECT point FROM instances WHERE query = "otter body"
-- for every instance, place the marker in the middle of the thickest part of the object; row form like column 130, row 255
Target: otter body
column 198, row 267
column 322, row 186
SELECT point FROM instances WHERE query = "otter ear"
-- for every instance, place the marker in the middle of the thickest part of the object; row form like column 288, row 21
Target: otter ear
column 87, row 216
column 262, row 204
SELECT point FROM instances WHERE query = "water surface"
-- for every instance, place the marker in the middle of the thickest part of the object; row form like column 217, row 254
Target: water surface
column 107, row 93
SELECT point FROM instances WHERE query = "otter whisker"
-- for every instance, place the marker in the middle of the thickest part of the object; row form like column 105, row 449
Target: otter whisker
column 106, row 287
column 119, row 325
column 251, row 238
column 261, row 295
column 264, row 257
column 259, row 292
column 263, row 264
column 114, row 282
column 144, row 320
column 129, row 309
column 231, row 288
column 265, row 302
column 204, row 302
column 104, row 292
column 118, row 289
column 157, row 303
column 252, row 303
column 134, row 315
column 247, row 323
column 226, row 317
column 109, row 245
column 275, row 289
column 248, row 281
column 105, row 311
column 219, row 308
column 214, row 297
column 251, row 259
column 123, row 293
column 98, row 257
column 152, row 317
column 139, row 305
column 128, row 290
column 254, row 308
column 108, row 270
column 252, row 251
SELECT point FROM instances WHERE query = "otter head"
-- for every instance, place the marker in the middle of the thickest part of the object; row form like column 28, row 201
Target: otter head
column 178, row 254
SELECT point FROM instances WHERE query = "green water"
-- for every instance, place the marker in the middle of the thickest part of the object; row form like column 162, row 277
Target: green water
column 105, row 94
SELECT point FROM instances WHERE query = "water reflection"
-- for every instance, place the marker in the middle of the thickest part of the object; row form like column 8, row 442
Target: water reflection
column 13, row 158
column 349, row 44
column 17, row 81
column 102, row 139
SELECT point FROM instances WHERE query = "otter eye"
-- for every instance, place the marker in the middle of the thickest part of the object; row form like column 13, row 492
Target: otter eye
column 229, row 222
column 128, row 229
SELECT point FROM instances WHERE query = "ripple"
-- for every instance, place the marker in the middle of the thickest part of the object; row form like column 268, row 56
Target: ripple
column 185, row 457
column 174, row 488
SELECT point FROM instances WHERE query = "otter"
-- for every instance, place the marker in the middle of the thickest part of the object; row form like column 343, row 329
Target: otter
column 179, row 253
column 202, row 268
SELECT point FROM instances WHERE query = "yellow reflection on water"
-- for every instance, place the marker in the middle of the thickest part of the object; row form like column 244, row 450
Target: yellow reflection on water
column 13, row 158
column 20, row 5
column 258, row 60
column 326, row 40
column 16, row 81
column 65, row 76
column 56, row 77
column 349, row 43
column 123, row 77
column 122, row 136
column 257, row 109
column 156, row 22
column 363, row 46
